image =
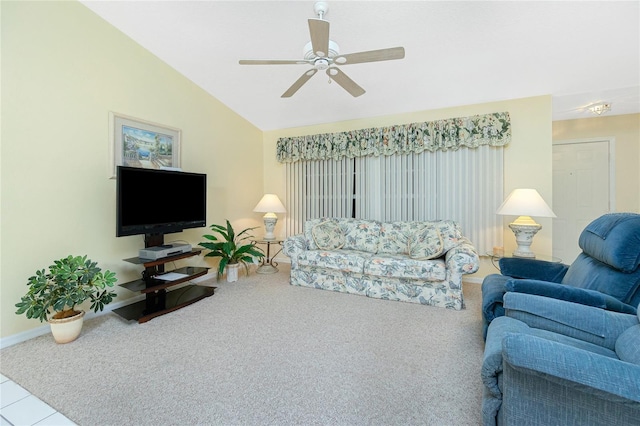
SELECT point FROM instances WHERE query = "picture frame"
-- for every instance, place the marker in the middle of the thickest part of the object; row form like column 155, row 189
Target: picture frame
column 140, row 143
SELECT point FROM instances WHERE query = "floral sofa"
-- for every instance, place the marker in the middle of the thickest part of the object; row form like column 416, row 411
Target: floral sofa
column 420, row 262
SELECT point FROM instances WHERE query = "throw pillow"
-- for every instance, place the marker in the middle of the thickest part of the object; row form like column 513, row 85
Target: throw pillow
column 628, row 345
column 450, row 232
column 328, row 235
column 308, row 227
column 567, row 293
column 426, row 244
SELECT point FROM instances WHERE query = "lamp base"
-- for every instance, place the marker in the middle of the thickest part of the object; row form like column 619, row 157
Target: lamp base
column 270, row 220
column 266, row 269
column 524, row 237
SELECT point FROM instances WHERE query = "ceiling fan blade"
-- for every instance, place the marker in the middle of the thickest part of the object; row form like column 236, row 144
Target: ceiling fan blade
column 319, row 31
column 274, row 62
column 370, row 56
column 343, row 80
column 298, row 84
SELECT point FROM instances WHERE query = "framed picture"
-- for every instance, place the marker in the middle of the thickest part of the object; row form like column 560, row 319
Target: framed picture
column 140, row 143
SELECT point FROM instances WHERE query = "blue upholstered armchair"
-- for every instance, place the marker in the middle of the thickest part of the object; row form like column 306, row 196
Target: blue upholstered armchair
column 552, row 362
column 605, row 275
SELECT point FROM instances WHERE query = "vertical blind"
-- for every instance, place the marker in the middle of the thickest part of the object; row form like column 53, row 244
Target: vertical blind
column 465, row 185
column 443, row 169
column 318, row 188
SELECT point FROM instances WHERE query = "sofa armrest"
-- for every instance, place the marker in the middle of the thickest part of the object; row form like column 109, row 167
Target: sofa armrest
column 569, row 294
column 463, row 258
column 491, row 371
column 492, row 360
column 533, row 269
column 293, row 246
column 612, row 380
column 583, row 322
column 492, row 295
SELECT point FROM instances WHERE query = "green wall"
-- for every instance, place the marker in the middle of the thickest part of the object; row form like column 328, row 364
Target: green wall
column 63, row 70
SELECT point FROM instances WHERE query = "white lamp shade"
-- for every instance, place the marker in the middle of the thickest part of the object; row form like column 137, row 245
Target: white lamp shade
column 525, row 202
column 270, row 203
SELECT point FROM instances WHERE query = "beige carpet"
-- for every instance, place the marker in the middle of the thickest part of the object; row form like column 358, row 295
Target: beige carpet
column 262, row 352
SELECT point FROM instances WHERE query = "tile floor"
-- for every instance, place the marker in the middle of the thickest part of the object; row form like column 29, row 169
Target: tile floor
column 19, row 408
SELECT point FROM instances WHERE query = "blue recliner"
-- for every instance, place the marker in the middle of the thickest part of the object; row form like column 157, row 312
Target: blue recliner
column 552, row 362
column 605, row 275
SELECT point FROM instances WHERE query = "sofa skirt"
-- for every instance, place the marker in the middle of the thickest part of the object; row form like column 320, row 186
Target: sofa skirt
column 438, row 293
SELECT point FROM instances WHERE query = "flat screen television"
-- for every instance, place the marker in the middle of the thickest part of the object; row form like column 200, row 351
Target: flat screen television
column 155, row 202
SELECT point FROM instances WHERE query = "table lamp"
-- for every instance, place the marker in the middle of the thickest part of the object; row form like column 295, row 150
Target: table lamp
column 525, row 203
column 270, row 205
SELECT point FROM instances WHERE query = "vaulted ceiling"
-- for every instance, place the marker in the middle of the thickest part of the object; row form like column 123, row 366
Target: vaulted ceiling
column 457, row 53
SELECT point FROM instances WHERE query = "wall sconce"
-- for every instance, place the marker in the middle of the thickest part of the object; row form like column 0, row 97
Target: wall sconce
column 525, row 203
column 600, row 108
column 270, row 205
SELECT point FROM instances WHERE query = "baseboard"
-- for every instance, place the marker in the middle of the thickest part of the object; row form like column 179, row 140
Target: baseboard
column 14, row 339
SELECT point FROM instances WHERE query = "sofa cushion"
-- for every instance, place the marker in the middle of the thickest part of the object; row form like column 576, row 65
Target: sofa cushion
column 394, row 236
column 587, row 272
column 328, row 235
column 628, row 345
column 450, row 232
column 362, row 235
column 426, row 244
column 614, row 239
column 535, row 269
column 568, row 293
column 400, row 266
column 342, row 260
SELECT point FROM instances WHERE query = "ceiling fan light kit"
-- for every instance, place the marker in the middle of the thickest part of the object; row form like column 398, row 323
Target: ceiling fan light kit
column 323, row 54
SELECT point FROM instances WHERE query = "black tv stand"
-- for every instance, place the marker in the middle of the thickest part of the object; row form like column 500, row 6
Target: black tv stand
column 158, row 300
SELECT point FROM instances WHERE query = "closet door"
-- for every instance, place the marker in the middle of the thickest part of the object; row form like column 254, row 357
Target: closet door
column 582, row 190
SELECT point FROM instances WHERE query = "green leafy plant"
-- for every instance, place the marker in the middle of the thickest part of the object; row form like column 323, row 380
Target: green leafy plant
column 70, row 281
column 231, row 247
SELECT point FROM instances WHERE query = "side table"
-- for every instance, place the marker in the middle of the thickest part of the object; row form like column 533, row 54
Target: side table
column 495, row 258
column 267, row 265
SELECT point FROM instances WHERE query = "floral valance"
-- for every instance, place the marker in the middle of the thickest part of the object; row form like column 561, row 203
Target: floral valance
column 453, row 133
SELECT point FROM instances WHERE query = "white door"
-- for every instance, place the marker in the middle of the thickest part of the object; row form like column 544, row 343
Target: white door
column 582, row 190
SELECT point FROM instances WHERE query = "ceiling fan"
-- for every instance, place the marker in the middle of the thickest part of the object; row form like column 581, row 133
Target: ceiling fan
column 324, row 54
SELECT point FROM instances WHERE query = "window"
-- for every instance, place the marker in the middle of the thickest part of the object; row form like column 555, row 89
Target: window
column 465, row 185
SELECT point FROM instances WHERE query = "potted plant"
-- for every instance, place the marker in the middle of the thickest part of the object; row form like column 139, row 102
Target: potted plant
column 232, row 249
column 53, row 296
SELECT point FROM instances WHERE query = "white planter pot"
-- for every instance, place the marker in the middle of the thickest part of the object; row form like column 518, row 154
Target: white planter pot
column 232, row 272
column 67, row 329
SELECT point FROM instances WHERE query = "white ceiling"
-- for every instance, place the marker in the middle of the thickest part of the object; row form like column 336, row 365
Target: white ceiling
column 457, row 53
